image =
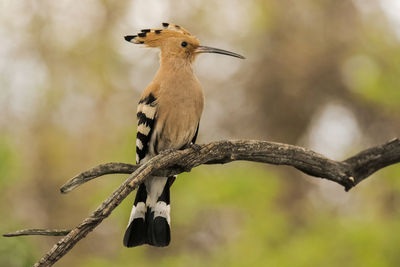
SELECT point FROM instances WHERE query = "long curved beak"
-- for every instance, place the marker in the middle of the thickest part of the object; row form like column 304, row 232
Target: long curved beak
column 207, row 49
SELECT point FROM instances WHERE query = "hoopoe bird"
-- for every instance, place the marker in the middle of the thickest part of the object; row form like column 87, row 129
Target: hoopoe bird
column 168, row 116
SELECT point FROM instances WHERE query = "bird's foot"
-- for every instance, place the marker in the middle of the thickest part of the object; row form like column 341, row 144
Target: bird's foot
column 195, row 147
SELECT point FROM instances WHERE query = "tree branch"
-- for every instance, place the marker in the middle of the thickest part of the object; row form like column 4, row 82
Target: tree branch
column 100, row 170
column 347, row 173
column 48, row 232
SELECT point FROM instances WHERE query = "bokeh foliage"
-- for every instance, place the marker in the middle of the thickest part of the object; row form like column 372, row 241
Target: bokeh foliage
column 319, row 73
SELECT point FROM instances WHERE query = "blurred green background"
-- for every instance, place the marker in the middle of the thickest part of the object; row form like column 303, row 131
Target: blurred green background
column 319, row 73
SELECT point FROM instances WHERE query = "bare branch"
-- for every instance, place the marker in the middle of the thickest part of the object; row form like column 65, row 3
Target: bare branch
column 303, row 159
column 373, row 159
column 102, row 169
column 48, row 232
column 347, row 173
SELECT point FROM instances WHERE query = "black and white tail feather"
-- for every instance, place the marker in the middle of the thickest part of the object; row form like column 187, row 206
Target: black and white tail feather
column 149, row 221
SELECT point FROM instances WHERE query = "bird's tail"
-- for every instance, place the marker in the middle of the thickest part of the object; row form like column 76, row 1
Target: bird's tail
column 149, row 222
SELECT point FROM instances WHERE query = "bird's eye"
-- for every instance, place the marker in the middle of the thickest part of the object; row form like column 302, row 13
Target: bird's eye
column 183, row 44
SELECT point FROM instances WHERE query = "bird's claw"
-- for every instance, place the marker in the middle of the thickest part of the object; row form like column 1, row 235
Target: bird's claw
column 195, row 147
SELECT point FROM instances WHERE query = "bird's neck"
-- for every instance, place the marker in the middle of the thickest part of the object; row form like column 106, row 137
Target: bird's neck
column 175, row 65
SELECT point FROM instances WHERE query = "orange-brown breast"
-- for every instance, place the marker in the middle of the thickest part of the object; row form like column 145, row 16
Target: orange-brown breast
column 180, row 102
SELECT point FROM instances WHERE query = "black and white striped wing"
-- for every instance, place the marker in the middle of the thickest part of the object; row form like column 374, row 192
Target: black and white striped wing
column 137, row 234
column 146, row 115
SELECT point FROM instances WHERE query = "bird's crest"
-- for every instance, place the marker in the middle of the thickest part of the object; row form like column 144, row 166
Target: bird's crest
column 154, row 37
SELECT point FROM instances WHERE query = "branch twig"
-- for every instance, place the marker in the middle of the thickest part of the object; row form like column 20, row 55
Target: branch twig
column 86, row 176
column 48, row 232
column 347, row 173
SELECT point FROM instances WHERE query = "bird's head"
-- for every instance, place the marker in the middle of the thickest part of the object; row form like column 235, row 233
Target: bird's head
column 175, row 42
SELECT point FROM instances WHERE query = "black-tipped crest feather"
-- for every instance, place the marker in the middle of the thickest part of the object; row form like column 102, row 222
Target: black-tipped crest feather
column 154, row 37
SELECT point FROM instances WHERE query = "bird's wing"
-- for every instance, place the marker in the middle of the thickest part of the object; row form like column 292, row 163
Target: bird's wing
column 146, row 115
